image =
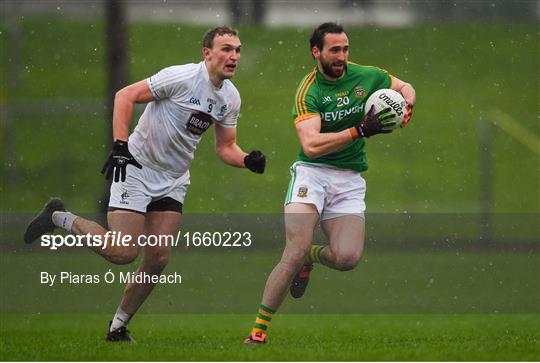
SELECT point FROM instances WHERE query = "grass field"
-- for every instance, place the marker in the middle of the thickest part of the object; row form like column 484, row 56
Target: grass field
column 444, row 305
column 292, row 338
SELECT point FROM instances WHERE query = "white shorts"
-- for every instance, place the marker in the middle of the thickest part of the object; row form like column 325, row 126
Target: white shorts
column 335, row 192
column 146, row 185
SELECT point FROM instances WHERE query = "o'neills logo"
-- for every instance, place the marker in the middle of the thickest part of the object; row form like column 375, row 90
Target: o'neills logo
column 396, row 106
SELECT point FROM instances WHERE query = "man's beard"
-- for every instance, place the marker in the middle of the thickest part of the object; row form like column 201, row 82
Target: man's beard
column 329, row 71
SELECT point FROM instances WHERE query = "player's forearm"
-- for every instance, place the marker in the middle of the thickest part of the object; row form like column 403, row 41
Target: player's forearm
column 408, row 93
column 123, row 110
column 320, row 144
column 231, row 155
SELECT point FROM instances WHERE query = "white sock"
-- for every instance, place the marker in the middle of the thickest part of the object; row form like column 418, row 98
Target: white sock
column 121, row 318
column 63, row 220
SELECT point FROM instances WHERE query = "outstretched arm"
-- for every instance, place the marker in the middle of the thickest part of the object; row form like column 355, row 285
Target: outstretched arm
column 120, row 156
column 124, row 101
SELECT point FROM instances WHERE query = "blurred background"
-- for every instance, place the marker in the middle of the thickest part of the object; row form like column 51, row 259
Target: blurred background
column 464, row 176
column 473, row 145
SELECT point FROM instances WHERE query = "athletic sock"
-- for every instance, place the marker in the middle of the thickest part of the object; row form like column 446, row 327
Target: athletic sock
column 314, row 255
column 264, row 316
column 121, row 318
column 63, row 220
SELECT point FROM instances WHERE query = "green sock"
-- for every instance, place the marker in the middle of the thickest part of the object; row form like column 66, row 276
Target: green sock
column 264, row 316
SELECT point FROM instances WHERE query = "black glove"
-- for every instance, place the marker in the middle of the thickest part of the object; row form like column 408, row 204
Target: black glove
column 118, row 160
column 255, row 161
column 376, row 123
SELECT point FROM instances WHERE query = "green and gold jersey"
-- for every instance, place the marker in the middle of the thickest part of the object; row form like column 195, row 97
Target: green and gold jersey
column 340, row 104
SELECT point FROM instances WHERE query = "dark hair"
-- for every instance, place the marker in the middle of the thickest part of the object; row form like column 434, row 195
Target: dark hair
column 211, row 34
column 317, row 38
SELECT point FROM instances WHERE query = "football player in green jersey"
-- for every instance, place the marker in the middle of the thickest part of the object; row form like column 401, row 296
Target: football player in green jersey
column 326, row 184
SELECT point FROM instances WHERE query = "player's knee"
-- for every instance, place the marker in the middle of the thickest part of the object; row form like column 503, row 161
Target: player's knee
column 295, row 259
column 157, row 260
column 348, row 262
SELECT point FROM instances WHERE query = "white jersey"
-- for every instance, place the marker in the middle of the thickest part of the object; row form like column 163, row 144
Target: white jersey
column 186, row 104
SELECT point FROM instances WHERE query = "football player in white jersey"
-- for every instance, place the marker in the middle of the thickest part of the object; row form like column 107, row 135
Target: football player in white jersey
column 151, row 166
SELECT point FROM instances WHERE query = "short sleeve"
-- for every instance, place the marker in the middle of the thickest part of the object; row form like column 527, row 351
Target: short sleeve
column 382, row 78
column 172, row 81
column 231, row 117
column 305, row 103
